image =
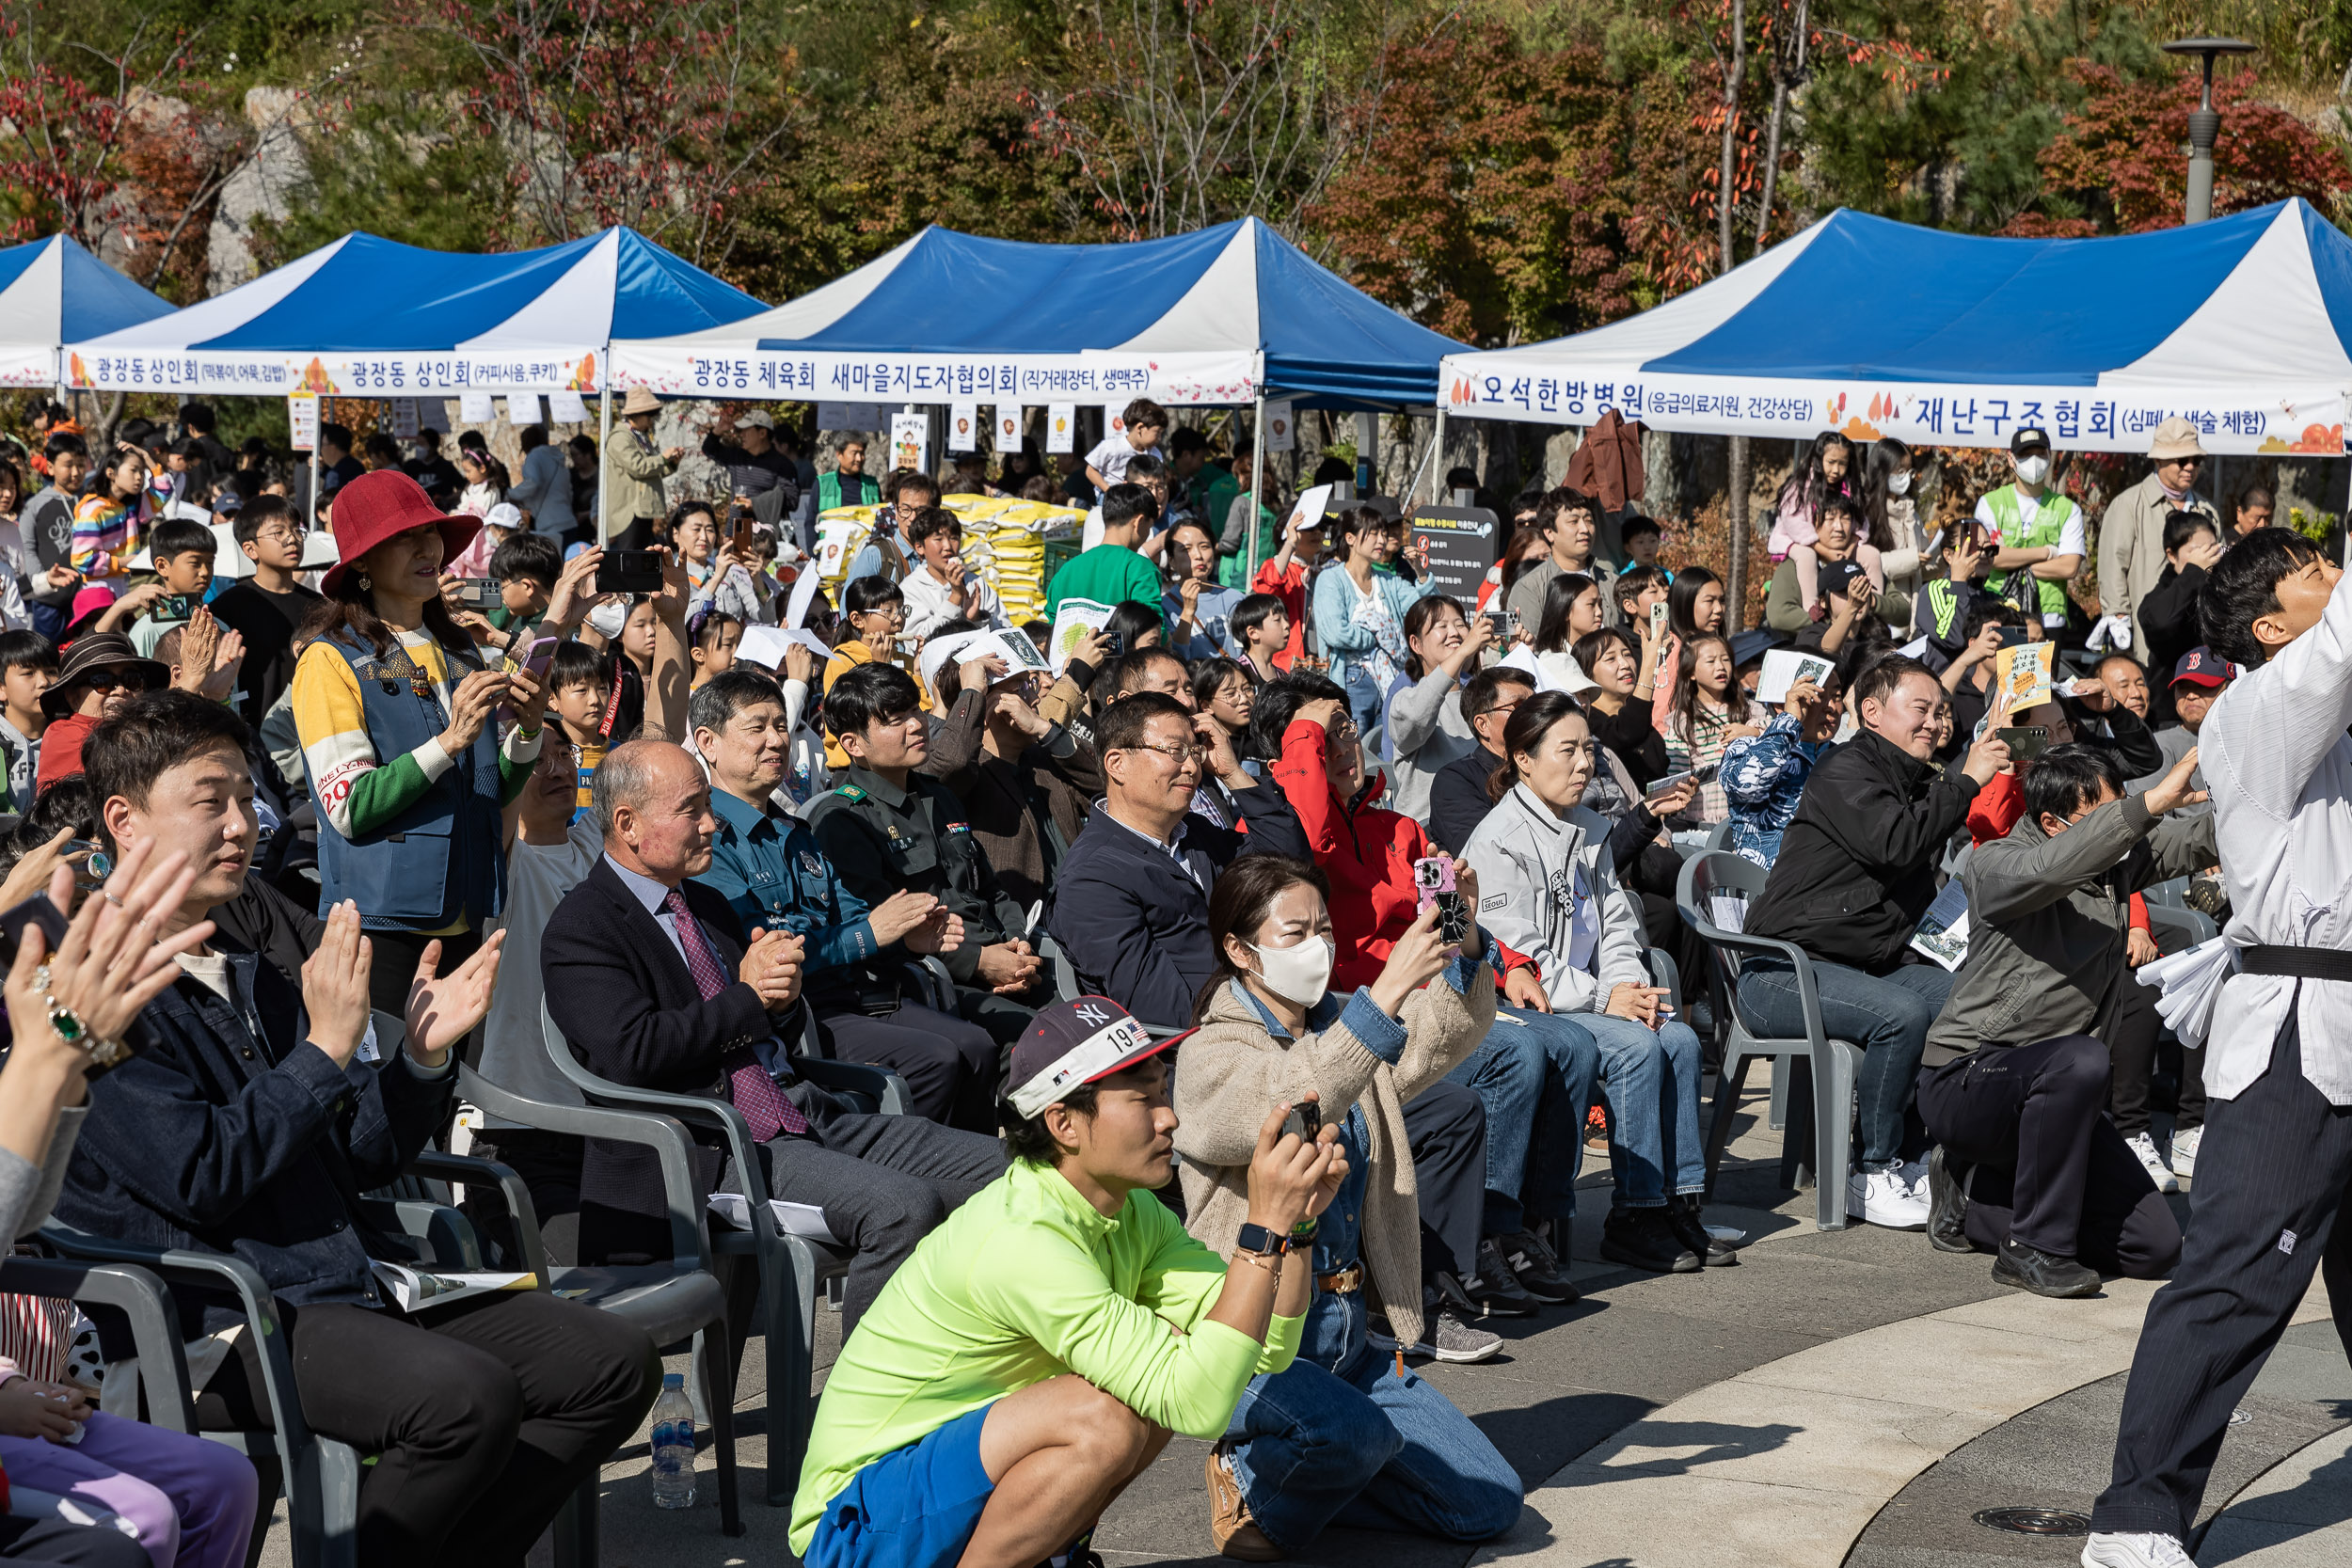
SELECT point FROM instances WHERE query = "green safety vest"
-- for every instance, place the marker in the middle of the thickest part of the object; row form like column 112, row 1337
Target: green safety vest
column 2048, row 524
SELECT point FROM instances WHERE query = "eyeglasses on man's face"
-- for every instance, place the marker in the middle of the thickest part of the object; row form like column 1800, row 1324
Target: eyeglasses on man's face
column 1178, row 754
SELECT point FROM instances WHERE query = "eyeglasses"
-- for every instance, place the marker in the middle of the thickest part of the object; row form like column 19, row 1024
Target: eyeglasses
column 111, row 680
column 281, row 535
column 1345, row 730
column 2186, row 461
column 1179, row 755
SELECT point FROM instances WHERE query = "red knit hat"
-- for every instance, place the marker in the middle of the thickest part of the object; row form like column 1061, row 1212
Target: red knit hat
column 376, row 506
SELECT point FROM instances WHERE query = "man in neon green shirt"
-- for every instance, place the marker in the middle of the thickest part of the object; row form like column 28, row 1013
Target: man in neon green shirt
column 1113, row 572
column 1020, row 1369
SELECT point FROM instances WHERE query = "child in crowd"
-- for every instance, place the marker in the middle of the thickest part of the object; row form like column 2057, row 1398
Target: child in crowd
column 595, row 703
column 1829, row 469
column 29, row 667
column 1642, row 536
column 526, row 568
column 1146, row 422
column 1710, row 711
column 268, row 608
column 183, row 553
column 712, row 639
column 1261, row 632
column 940, row 586
column 112, row 520
column 875, row 610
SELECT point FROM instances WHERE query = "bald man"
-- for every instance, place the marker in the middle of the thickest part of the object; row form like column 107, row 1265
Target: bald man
column 656, row 985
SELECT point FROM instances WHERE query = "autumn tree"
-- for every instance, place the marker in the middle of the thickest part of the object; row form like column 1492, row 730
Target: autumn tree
column 2116, row 166
column 1485, row 204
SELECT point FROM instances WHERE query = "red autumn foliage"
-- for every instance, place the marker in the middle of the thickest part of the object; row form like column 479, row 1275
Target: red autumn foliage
column 2119, row 156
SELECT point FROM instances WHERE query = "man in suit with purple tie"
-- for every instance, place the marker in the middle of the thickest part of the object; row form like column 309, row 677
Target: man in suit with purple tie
column 653, row 982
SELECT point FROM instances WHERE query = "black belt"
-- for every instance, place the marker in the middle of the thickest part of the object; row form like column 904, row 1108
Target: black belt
column 2301, row 963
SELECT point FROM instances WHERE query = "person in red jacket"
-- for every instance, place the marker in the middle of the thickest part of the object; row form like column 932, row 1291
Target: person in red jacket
column 1536, row 1072
column 1284, row 576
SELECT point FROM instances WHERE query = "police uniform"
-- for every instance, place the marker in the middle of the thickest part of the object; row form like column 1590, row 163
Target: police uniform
column 770, row 869
column 884, row 838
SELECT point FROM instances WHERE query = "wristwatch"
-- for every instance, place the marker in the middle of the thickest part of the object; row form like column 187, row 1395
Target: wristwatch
column 1264, row 1243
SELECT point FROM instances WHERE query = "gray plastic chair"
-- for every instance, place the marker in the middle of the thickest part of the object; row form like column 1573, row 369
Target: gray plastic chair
column 789, row 1269
column 1830, row 1065
column 1065, row 972
column 139, row 1296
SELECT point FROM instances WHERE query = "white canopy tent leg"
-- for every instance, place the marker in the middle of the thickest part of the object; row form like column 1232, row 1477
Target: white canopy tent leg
column 1257, row 490
column 1436, row 459
column 604, row 455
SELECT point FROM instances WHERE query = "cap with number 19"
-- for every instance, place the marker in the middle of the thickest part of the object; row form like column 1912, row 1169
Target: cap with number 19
column 1074, row 1042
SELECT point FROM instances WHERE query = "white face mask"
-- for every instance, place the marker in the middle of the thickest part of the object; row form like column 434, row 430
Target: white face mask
column 1300, row 974
column 1899, row 482
column 2033, row 471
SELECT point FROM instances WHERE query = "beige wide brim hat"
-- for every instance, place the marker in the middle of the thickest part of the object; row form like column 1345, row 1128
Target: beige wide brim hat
column 640, row 402
column 2175, row 438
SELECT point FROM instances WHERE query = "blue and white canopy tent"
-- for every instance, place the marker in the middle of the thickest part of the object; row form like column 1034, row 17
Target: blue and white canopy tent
column 53, row 291
column 2242, row 325
column 1222, row 316
column 366, row 317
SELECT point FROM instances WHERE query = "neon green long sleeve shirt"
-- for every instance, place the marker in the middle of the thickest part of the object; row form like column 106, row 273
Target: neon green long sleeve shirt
column 1026, row 1281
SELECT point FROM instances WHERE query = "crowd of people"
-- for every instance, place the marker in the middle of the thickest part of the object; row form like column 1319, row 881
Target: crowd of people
column 1304, row 909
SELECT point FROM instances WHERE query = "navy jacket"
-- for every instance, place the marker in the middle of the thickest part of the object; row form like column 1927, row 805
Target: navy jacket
column 1458, row 802
column 1135, row 924
column 231, row 1133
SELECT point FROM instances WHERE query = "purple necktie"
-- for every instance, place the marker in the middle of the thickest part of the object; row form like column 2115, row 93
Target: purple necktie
column 748, row 1084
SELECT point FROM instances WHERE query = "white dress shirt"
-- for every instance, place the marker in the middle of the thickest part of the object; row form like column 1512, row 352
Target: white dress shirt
column 2274, row 754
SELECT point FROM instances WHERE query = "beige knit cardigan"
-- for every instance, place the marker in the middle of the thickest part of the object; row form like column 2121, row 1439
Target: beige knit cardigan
column 1232, row 1071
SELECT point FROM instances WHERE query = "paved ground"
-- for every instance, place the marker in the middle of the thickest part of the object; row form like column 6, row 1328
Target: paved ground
column 1848, row 1396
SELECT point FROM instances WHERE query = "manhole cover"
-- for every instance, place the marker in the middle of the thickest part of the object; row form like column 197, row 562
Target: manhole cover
column 2034, row 1521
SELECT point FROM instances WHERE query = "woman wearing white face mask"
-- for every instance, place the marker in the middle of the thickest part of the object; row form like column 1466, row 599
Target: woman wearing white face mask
column 1317, row 1443
column 1891, row 515
column 1552, row 894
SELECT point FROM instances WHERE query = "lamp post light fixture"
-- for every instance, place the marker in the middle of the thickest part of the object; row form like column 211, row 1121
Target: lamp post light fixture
column 2205, row 124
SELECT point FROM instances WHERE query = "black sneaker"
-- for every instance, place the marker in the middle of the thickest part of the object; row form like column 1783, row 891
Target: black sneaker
column 1538, row 1267
column 1948, row 1206
column 1690, row 1227
column 1644, row 1239
column 2023, row 1268
column 1478, row 1295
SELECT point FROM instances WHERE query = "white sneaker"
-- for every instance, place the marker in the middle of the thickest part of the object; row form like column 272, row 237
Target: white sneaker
column 1886, row 1198
column 2185, row 1152
column 1914, row 1175
column 2135, row 1551
column 2144, row 1147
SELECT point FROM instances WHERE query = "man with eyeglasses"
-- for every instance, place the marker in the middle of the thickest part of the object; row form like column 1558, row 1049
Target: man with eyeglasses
column 1131, row 903
column 2131, row 536
column 1458, row 802
column 269, row 606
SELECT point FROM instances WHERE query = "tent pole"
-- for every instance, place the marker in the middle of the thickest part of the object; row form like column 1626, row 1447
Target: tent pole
column 311, row 526
column 1437, row 460
column 604, row 454
column 1257, row 488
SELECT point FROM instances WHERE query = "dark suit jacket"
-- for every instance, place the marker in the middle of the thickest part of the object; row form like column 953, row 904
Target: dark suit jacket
column 624, row 999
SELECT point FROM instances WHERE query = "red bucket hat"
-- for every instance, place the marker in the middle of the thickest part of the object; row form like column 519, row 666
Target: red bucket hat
column 376, row 506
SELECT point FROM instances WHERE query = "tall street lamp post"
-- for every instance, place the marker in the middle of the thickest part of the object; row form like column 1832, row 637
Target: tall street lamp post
column 2204, row 124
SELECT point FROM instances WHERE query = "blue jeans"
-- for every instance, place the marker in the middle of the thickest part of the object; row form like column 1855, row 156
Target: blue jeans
column 1888, row 1016
column 1653, row 1081
column 1534, row 1073
column 1365, row 700
column 1339, row 1436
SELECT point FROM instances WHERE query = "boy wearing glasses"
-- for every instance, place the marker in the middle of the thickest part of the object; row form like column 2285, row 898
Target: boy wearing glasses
column 2131, row 535
column 267, row 607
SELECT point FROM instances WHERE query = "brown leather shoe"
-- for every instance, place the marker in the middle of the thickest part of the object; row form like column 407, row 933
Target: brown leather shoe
column 1237, row 1535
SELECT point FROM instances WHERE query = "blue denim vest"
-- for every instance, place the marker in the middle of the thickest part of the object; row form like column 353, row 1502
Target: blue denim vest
column 439, row 857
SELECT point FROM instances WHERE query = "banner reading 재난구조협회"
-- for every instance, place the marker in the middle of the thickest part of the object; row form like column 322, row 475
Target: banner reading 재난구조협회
column 1222, row 377
column 1515, row 385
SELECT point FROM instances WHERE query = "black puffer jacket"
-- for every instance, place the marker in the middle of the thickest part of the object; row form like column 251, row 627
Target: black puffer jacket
column 1858, row 862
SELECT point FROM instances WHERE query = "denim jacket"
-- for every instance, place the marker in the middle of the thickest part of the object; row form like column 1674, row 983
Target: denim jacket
column 231, row 1133
column 1763, row 778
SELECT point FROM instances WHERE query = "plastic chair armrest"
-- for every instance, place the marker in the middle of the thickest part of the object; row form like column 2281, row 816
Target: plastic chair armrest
column 140, row 1296
column 512, row 1190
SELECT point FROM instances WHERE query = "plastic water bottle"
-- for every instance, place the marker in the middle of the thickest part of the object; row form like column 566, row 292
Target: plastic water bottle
column 672, row 1445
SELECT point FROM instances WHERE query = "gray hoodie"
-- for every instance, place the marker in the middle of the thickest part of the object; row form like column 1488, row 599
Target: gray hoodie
column 2046, row 918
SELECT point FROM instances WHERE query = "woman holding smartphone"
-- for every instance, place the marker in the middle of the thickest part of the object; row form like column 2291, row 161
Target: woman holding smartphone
column 399, row 724
column 1423, row 728
column 1345, row 1435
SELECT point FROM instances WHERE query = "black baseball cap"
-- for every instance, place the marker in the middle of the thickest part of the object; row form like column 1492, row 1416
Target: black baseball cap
column 2027, row 438
column 1838, row 576
column 1075, row 1043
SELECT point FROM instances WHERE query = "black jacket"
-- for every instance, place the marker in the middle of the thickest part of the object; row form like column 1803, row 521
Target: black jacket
column 2169, row 617
column 629, row 1008
column 1135, row 923
column 231, row 1133
column 754, row 473
column 1857, row 863
column 1458, row 798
